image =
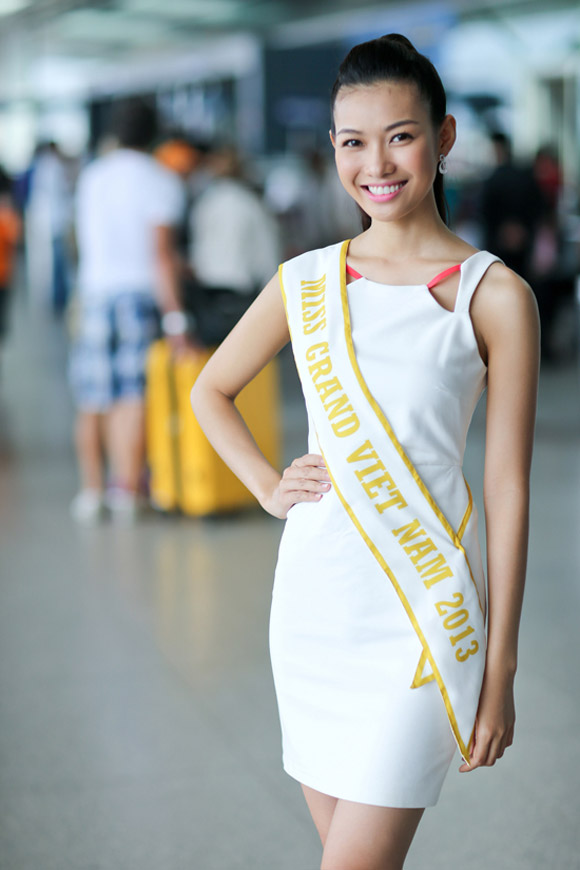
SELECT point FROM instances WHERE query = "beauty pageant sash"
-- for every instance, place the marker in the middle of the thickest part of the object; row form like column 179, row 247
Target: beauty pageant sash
column 413, row 543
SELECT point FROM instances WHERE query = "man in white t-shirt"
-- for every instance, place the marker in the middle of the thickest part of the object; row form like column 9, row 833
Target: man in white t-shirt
column 235, row 240
column 127, row 207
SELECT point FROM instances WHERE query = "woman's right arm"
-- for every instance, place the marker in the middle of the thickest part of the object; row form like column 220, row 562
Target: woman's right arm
column 260, row 334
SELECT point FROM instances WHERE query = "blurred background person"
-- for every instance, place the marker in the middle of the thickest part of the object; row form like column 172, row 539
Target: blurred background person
column 511, row 209
column 309, row 202
column 10, row 229
column 49, row 216
column 127, row 208
column 185, row 159
column 553, row 270
column 328, row 214
column 235, row 246
column 317, row 218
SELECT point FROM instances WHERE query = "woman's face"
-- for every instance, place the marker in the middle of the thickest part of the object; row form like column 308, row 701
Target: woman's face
column 386, row 148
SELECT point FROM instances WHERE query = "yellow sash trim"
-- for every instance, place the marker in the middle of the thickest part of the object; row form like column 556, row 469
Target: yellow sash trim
column 426, row 654
column 454, row 536
column 284, row 297
column 467, row 514
column 419, row 680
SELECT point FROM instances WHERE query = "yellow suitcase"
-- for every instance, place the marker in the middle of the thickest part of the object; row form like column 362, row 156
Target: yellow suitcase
column 185, row 471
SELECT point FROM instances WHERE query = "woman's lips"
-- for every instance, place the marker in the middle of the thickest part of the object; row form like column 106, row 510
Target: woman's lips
column 383, row 192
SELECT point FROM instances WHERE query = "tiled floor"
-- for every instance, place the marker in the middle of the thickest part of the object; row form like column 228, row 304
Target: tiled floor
column 138, row 726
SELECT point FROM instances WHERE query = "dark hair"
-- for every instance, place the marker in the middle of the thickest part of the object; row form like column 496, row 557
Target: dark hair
column 394, row 58
column 134, row 123
column 502, row 140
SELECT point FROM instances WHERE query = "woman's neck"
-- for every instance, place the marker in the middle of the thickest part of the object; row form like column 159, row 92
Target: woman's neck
column 413, row 236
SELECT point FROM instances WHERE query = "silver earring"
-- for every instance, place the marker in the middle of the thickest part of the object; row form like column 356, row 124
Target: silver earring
column 443, row 168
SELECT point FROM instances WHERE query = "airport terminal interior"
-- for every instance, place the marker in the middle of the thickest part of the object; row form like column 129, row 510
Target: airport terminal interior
column 138, row 721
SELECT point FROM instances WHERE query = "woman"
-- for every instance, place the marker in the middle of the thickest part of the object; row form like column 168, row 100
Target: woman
column 377, row 625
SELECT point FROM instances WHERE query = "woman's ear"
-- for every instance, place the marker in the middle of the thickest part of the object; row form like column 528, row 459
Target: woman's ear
column 447, row 134
column 332, row 139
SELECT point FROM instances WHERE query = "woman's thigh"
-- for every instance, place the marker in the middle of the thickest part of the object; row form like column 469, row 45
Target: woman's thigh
column 364, row 837
column 321, row 808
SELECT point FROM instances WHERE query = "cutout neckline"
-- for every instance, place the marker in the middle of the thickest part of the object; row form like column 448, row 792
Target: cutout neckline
column 432, row 283
column 428, row 287
column 459, row 267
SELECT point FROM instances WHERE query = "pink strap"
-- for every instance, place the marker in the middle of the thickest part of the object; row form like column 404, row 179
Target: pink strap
column 442, row 275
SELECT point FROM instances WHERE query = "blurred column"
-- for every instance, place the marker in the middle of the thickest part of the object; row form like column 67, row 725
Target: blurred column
column 250, row 111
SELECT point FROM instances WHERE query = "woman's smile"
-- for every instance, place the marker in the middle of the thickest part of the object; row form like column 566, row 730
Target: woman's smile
column 383, row 192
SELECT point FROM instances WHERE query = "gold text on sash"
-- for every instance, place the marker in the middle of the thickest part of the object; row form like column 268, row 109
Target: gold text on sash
column 343, row 419
column 313, row 308
column 375, row 479
column 417, row 546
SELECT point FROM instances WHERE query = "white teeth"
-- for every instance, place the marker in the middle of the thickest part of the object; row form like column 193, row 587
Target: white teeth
column 380, row 190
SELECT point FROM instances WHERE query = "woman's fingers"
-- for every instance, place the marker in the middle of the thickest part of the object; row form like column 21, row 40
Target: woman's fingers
column 305, row 485
column 300, row 495
column 487, row 750
column 311, row 465
column 307, row 473
column 478, row 756
column 478, row 753
column 310, row 459
column 306, row 479
column 298, row 476
column 309, row 488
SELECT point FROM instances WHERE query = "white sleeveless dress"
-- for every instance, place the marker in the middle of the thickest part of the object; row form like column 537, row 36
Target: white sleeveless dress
column 343, row 650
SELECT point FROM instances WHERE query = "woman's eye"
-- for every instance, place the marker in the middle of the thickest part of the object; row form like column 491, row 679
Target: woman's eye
column 351, row 143
column 400, row 137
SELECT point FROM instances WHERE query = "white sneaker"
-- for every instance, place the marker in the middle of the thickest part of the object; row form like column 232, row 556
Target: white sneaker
column 123, row 505
column 88, row 507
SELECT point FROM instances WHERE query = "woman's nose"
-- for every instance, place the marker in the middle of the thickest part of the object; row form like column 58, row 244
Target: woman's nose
column 380, row 162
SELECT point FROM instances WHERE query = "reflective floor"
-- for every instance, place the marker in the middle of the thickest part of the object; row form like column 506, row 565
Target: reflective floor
column 138, row 724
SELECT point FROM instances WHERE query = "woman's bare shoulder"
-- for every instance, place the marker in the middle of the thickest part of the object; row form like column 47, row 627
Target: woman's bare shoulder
column 504, row 313
column 502, row 292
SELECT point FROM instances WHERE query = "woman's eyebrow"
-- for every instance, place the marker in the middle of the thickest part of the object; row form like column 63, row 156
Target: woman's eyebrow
column 390, row 127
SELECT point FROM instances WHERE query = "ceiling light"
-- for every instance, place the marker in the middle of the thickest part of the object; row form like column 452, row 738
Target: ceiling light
column 9, row 7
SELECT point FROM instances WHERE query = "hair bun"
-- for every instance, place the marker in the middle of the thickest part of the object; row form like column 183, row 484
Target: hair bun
column 400, row 40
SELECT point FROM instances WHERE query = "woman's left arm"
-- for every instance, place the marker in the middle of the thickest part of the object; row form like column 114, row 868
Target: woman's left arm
column 505, row 318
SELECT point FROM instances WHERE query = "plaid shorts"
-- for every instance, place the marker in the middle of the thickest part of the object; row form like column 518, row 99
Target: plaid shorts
column 107, row 361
